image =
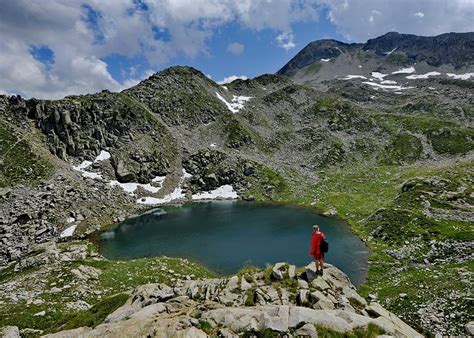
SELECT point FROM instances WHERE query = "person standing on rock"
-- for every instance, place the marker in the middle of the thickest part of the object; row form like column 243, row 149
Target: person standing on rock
column 315, row 249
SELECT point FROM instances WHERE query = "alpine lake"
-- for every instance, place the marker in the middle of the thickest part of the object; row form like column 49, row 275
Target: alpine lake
column 225, row 236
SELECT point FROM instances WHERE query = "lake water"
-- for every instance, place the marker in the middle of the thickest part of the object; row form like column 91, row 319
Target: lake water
column 224, row 236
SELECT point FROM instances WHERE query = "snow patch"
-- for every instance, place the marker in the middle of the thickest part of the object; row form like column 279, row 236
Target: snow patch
column 224, row 191
column 325, row 60
column 68, row 232
column 389, row 87
column 70, row 220
column 350, row 77
column 237, row 102
column 388, row 82
column 465, row 76
column 82, row 166
column 185, row 175
column 388, row 53
column 212, row 145
column 104, row 155
column 159, row 179
column 89, row 174
column 131, row 187
column 225, row 87
column 408, row 70
column 423, row 76
column 176, row 194
column 378, row 76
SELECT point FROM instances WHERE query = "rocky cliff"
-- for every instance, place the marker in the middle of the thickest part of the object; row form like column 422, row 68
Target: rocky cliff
column 280, row 301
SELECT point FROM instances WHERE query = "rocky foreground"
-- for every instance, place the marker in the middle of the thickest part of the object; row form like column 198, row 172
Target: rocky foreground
column 280, row 301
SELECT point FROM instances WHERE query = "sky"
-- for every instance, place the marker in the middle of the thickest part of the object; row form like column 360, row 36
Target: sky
column 53, row 48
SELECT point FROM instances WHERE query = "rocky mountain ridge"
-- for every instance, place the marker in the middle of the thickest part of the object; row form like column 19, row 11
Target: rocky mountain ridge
column 450, row 48
column 391, row 62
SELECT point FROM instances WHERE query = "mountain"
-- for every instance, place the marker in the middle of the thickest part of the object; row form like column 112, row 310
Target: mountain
column 325, row 60
column 456, row 49
column 381, row 138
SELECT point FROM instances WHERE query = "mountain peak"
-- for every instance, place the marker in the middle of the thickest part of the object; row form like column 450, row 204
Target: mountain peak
column 456, row 49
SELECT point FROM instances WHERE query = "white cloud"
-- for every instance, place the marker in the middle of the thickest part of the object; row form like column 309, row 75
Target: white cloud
column 439, row 16
column 157, row 29
column 285, row 41
column 231, row 78
column 160, row 30
column 235, row 48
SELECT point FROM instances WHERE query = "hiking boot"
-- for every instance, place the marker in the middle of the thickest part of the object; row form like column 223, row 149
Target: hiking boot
column 321, row 272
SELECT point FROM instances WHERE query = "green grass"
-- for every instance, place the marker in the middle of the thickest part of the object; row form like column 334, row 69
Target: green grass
column 371, row 331
column 359, row 192
column 116, row 277
column 92, row 317
column 268, row 185
column 404, row 148
column 206, row 327
column 19, row 162
column 395, row 58
column 446, row 137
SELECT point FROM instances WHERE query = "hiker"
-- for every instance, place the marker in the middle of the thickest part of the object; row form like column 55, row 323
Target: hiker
column 315, row 249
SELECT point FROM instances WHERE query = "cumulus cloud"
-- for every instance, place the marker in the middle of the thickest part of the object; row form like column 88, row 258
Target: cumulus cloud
column 235, row 48
column 231, row 78
column 285, row 41
column 359, row 20
column 81, row 34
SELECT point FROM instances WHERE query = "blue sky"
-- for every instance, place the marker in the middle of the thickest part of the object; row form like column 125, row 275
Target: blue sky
column 49, row 49
column 261, row 52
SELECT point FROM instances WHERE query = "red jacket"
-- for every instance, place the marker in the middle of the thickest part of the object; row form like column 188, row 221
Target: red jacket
column 316, row 238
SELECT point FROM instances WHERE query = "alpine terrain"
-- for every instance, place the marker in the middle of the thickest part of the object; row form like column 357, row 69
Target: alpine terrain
column 378, row 134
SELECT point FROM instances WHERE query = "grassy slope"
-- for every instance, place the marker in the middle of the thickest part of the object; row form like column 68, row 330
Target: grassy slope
column 21, row 161
column 358, row 193
column 115, row 278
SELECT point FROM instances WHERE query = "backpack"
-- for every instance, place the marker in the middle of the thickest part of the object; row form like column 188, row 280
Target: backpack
column 324, row 245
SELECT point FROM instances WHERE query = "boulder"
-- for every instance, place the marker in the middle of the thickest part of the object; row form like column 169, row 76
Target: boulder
column 122, row 173
column 307, row 330
column 320, row 284
column 233, row 283
column 278, row 271
column 324, row 318
column 320, row 301
column 10, row 332
column 250, row 319
column 291, row 271
column 470, row 328
column 244, row 285
column 310, row 272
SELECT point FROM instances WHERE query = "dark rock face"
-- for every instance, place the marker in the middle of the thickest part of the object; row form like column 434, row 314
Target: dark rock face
column 450, row 48
column 456, row 49
column 315, row 51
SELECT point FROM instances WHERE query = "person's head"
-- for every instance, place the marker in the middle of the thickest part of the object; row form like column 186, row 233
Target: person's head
column 315, row 228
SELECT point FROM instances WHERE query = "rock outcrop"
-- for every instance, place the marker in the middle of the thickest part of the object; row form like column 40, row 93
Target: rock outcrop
column 281, row 300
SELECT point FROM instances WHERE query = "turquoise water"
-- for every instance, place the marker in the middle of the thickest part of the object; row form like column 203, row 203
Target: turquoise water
column 225, row 236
